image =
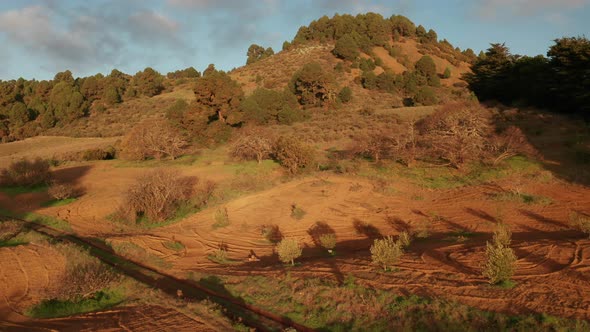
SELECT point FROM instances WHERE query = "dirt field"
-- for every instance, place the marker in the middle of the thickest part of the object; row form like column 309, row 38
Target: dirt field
column 48, row 147
column 552, row 270
column 452, row 226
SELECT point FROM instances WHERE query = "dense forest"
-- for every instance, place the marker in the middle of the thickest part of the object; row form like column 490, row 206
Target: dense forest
column 559, row 82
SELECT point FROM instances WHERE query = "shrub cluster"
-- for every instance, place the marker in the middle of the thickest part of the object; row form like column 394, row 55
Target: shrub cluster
column 26, row 172
column 157, row 196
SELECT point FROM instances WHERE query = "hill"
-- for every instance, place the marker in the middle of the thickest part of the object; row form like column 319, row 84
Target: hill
column 110, row 105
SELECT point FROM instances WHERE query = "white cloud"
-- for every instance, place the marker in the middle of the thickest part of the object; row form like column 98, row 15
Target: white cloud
column 63, row 38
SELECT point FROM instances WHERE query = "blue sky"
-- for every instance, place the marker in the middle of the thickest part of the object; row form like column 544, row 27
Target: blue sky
column 42, row 37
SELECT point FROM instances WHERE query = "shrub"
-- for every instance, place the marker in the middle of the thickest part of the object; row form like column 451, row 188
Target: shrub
column 156, row 195
column 152, row 139
column 500, row 258
column 251, row 146
column 288, row 250
column 328, row 241
column 25, row 172
column 221, row 218
column 345, row 95
column 386, row 252
column 580, row 222
column 84, row 274
column 456, row 133
column 447, row 73
column 425, row 96
column 297, row 212
column 292, row 154
column 404, row 239
column 346, row 48
column 98, row 154
column 61, row 191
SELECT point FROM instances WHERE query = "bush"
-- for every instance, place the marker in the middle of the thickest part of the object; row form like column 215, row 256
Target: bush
column 152, row 139
column 425, row 96
column 252, row 146
column 404, row 239
column 447, row 73
column 157, row 195
column 98, row 154
column 386, row 252
column 221, row 218
column 292, row 154
column 297, row 212
column 328, row 241
column 500, row 258
column 346, row 48
column 84, row 275
column 288, row 250
column 345, row 95
column 26, row 173
column 61, row 191
column 580, row 222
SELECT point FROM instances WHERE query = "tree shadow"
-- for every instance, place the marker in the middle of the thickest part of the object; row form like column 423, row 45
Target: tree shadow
column 272, row 233
column 366, row 229
column 481, row 214
column 398, row 224
column 317, row 230
column 542, row 219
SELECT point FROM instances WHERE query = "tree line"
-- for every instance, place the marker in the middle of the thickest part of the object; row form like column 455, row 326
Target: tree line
column 559, row 82
column 28, row 107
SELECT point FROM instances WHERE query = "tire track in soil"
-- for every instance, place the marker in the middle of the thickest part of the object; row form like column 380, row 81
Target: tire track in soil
column 248, row 314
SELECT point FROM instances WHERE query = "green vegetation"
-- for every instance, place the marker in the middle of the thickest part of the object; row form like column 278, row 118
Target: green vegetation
column 58, row 202
column 17, row 190
column 38, row 218
column 386, row 252
column 556, row 82
column 522, row 198
column 323, row 304
column 289, row 250
column 62, row 308
column 297, row 212
column 174, row 245
column 580, row 221
column 14, row 242
column 221, row 218
column 500, row 258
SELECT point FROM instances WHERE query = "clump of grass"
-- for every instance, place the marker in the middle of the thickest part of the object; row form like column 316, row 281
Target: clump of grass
column 297, row 212
column 522, row 198
column 221, row 218
column 58, row 202
column 53, row 308
column 220, row 256
column 174, row 245
column 580, row 222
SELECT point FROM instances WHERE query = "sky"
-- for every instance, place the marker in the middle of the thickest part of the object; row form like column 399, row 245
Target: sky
column 39, row 38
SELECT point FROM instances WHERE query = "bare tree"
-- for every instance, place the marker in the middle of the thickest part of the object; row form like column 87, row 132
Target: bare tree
column 253, row 145
column 153, row 139
column 456, row 132
column 156, row 195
